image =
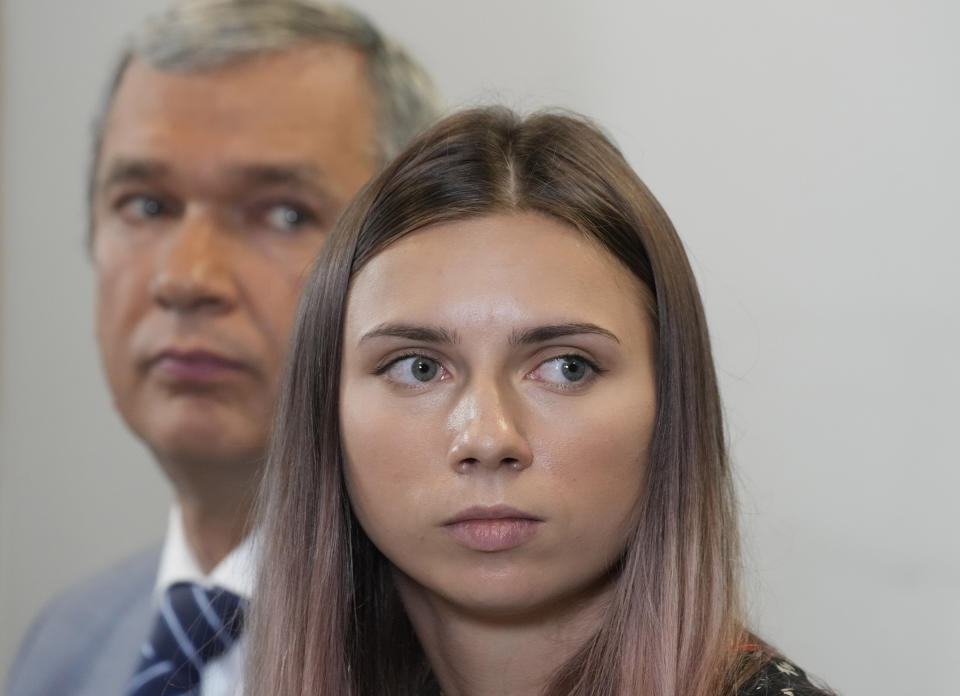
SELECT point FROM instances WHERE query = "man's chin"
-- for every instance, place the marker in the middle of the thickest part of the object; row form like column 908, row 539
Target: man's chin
column 207, row 456
column 205, row 449
column 200, row 433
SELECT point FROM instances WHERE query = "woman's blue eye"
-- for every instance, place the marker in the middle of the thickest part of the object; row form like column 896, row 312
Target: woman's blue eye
column 413, row 369
column 423, row 369
column 573, row 369
column 564, row 369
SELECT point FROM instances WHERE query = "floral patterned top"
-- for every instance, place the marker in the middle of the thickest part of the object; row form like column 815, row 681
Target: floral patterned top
column 777, row 677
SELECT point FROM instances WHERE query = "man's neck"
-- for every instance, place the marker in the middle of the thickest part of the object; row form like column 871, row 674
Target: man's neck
column 212, row 533
column 216, row 501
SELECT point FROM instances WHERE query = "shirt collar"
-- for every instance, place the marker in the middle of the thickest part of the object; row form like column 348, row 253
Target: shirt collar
column 179, row 564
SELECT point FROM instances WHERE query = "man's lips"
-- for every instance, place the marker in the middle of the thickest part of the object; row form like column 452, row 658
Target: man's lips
column 194, row 365
column 490, row 529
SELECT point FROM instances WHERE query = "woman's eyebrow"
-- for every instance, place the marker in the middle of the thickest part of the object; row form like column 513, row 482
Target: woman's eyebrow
column 540, row 334
column 412, row 332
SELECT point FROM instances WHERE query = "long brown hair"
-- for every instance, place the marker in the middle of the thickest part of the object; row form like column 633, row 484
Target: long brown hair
column 327, row 619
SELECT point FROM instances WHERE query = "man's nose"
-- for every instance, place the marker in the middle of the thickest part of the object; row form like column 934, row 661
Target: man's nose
column 487, row 432
column 193, row 271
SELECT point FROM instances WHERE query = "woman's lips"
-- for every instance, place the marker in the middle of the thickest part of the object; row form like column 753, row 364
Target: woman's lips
column 194, row 366
column 492, row 529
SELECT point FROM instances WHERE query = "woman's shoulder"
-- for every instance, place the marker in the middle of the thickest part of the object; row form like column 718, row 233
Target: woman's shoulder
column 780, row 677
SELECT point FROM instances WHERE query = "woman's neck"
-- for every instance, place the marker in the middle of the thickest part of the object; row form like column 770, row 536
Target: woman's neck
column 476, row 655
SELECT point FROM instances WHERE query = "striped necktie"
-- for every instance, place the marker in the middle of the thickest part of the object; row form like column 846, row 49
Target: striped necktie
column 195, row 625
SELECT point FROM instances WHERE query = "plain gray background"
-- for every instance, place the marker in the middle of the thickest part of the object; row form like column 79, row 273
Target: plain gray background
column 808, row 154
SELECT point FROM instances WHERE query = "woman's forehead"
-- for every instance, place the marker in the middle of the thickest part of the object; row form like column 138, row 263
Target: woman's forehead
column 495, row 269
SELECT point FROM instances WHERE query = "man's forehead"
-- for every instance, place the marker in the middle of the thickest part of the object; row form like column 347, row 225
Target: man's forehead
column 300, row 115
column 322, row 63
column 120, row 169
column 295, row 88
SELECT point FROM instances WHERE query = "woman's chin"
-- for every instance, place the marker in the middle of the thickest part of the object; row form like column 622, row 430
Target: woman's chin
column 505, row 598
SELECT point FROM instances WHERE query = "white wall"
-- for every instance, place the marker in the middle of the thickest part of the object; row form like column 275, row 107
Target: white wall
column 808, row 154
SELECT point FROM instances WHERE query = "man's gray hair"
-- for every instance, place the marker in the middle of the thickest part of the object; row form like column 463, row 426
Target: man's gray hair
column 197, row 34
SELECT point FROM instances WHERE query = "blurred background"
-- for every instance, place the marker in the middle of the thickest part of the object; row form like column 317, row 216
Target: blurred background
column 809, row 156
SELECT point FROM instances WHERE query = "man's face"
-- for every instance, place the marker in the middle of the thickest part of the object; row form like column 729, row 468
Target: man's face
column 214, row 192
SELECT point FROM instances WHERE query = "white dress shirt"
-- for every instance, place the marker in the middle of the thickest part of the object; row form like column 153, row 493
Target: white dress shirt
column 221, row 676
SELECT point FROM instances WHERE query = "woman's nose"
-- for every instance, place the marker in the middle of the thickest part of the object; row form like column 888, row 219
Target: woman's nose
column 487, row 433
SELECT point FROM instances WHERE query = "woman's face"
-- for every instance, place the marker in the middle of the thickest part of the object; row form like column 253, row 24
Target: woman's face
column 497, row 400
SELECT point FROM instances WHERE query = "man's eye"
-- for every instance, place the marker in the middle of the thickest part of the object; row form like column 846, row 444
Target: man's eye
column 414, row 370
column 565, row 370
column 287, row 216
column 143, row 207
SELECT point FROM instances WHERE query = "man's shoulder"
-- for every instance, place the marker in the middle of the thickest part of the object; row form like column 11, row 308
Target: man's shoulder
column 76, row 634
column 116, row 585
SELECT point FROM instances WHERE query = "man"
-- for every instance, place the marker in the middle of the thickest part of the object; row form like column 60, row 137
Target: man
column 233, row 135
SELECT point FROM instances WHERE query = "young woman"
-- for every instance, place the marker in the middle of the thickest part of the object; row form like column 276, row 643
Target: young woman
column 499, row 464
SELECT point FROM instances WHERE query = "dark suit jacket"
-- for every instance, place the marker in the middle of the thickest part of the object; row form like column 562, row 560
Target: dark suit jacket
column 87, row 641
